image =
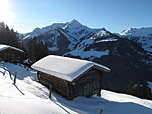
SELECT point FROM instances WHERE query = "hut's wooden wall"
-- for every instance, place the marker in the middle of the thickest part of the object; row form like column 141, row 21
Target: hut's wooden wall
column 87, row 84
column 58, row 85
column 11, row 55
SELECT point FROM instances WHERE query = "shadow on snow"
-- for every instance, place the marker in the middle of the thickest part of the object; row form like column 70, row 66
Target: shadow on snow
column 94, row 104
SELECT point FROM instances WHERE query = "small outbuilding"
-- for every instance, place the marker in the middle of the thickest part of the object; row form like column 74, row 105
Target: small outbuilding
column 70, row 77
column 11, row 54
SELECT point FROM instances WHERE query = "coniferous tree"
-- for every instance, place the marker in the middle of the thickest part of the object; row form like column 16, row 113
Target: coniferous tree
column 140, row 90
column 36, row 49
column 130, row 87
column 8, row 36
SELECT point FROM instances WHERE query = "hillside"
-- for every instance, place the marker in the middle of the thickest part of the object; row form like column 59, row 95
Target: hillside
column 127, row 59
column 28, row 96
column 61, row 37
column 142, row 36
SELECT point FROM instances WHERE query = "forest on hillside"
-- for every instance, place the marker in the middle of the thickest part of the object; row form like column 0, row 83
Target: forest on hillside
column 35, row 49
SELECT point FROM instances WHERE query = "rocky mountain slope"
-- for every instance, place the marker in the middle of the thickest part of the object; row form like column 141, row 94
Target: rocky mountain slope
column 62, row 37
column 142, row 36
column 127, row 59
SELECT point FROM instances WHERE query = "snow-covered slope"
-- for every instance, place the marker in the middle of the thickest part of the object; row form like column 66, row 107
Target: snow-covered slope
column 74, row 32
column 124, row 57
column 39, row 31
column 62, row 35
column 77, row 30
column 26, row 96
column 29, row 97
column 73, row 28
column 75, row 40
column 141, row 35
column 99, row 37
column 145, row 32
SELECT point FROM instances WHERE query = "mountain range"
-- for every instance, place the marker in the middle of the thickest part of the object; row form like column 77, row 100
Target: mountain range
column 142, row 36
column 128, row 54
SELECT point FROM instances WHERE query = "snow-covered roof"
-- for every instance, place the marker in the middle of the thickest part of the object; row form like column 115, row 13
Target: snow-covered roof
column 64, row 67
column 3, row 47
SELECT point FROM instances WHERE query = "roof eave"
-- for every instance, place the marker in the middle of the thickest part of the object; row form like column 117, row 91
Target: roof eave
column 106, row 69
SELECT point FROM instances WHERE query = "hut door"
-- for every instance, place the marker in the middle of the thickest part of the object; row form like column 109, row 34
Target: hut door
column 86, row 90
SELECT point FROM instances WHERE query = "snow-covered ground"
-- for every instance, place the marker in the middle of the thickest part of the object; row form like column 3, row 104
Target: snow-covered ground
column 29, row 97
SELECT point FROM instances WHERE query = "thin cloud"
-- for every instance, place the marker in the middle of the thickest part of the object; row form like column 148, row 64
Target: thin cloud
column 5, row 14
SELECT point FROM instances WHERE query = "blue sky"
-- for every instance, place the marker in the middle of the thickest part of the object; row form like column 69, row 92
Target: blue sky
column 114, row 15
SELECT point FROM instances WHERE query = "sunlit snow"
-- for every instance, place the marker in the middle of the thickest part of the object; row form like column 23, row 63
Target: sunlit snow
column 28, row 96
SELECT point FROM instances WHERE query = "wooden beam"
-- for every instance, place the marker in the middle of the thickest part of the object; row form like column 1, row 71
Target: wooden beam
column 50, row 89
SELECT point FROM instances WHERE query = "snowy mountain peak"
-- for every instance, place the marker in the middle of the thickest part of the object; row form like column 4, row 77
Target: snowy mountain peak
column 36, row 29
column 54, row 26
column 74, row 24
column 102, row 33
column 144, row 32
column 141, row 35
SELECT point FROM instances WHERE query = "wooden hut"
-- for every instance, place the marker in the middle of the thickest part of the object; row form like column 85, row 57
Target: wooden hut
column 10, row 54
column 70, row 77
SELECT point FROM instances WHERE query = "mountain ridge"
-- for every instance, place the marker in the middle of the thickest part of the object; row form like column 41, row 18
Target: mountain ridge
column 123, row 55
column 74, row 26
column 143, row 36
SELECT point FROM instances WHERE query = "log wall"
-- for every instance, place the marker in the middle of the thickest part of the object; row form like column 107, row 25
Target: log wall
column 58, row 85
column 11, row 55
column 87, row 84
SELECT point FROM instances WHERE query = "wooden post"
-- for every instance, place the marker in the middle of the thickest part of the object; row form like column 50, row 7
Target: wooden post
column 10, row 75
column 4, row 72
column 100, row 112
column 15, row 77
column 99, row 92
column 50, row 88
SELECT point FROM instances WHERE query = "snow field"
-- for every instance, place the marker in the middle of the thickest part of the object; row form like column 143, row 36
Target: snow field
column 30, row 97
